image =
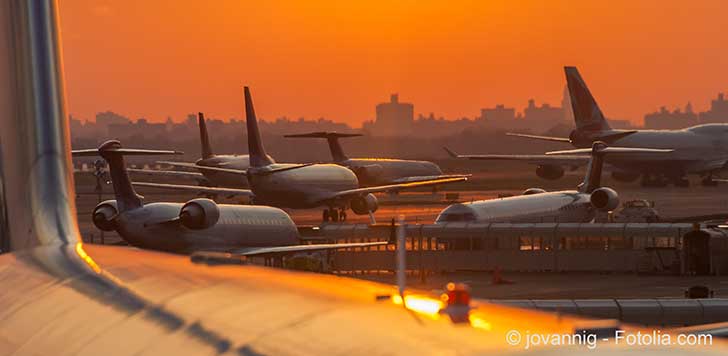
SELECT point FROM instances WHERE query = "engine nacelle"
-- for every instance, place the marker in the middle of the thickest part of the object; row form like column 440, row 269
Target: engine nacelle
column 104, row 215
column 625, row 176
column 604, row 199
column 364, row 205
column 200, row 213
column 532, row 191
column 369, row 172
column 550, row 172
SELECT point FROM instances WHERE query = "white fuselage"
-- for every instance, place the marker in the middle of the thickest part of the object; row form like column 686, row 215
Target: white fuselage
column 237, row 227
column 563, row 206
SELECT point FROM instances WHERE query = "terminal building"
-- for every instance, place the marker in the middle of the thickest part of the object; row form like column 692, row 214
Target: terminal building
column 671, row 120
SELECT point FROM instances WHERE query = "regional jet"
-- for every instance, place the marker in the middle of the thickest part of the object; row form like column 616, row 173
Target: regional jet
column 197, row 226
column 701, row 149
column 378, row 171
column 536, row 205
column 301, row 186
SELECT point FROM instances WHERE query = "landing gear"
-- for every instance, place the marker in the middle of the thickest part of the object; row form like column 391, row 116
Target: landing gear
column 334, row 215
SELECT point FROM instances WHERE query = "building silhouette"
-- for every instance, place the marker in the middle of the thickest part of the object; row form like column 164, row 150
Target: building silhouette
column 718, row 112
column 393, row 118
column 671, row 120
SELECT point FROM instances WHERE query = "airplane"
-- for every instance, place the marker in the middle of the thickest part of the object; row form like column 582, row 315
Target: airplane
column 701, row 149
column 197, row 226
column 300, row 186
column 377, row 171
column 62, row 296
column 536, row 205
column 208, row 159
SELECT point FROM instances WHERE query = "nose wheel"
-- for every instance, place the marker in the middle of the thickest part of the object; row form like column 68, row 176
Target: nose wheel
column 334, row 215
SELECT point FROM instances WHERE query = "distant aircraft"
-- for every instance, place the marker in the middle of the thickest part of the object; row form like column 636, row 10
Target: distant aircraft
column 536, row 205
column 300, row 186
column 197, row 226
column 378, row 171
column 208, row 159
column 701, row 149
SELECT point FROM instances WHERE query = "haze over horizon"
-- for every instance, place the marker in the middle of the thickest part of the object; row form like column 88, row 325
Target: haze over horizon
column 339, row 59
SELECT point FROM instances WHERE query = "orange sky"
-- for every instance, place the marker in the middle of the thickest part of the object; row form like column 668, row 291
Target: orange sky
column 338, row 59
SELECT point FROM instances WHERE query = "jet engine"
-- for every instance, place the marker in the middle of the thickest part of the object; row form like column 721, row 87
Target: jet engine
column 368, row 172
column 604, row 199
column 532, row 191
column 104, row 215
column 200, row 213
column 625, row 176
column 549, row 172
column 364, row 205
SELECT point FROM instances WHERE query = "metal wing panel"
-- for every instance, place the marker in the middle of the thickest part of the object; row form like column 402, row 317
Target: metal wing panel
column 197, row 189
column 389, row 188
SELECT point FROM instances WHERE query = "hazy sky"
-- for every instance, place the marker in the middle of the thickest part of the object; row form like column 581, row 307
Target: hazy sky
column 338, row 59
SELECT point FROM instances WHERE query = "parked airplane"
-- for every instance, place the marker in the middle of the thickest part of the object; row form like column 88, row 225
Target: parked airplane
column 537, row 205
column 378, row 171
column 199, row 225
column 300, row 186
column 701, row 149
column 208, row 159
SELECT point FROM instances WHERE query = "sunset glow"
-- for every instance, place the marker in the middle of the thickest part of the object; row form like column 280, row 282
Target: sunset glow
column 338, row 59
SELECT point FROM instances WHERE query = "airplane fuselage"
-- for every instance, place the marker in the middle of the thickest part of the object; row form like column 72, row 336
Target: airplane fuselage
column 565, row 207
column 301, row 188
column 223, row 179
column 697, row 149
column 381, row 171
column 151, row 227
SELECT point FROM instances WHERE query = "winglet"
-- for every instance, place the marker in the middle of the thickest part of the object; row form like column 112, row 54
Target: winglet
column 450, row 152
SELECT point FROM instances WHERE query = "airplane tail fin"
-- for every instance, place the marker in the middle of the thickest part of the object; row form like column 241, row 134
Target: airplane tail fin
column 112, row 152
column 593, row 177
column 256, row 151
column 206, row 148
column 337, row 152
column 587, row 115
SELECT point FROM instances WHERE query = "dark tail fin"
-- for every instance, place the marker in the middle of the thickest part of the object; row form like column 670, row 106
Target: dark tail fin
column 593, row 177
column 337, row 152
column 206, row 149
column 587, row 115
column 113, row 153
column 258, row 157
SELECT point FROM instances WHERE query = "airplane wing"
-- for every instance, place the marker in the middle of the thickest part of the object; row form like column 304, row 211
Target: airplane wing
column 158, row 173
column 543, row 138
column 391, row 188
column 125, row 151
column 539, row 159
column 203, row 168
column 227, row 192
column 426, row 178
column 273, row 250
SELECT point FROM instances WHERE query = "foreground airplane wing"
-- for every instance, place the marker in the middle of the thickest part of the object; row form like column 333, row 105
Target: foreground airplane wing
column 275, row 250
column 392, row 187
column 228, row 192
column 202, row 168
